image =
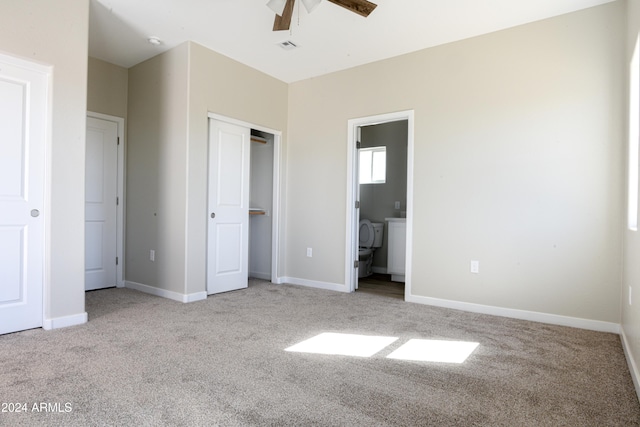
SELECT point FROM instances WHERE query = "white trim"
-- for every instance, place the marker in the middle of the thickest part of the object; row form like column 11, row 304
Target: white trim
column 313, row 284
column 633, row 368
column 65, row 321
column 533, row 316
column 196, row 296
column 275, row 205
column 351, row 241
column 120, row 188
column 279, row 280
column 408, row 266
column 176, row 296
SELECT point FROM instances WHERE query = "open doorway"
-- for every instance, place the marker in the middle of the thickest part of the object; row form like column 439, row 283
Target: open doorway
column 261, row 205
column 380, row 201
column 382, row 180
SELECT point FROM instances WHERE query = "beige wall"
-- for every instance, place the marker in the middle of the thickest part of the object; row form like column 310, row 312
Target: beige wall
column 169, row 98
column 56, row 34
column 156, row 170
column 517, row 159
column 107, row 88
column 631, row 313
column 226, row 87
column 517, row 164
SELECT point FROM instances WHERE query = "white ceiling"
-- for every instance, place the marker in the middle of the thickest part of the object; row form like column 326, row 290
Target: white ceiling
column 329, row 39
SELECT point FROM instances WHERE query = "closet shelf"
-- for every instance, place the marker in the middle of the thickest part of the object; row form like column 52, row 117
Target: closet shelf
column 259, row 139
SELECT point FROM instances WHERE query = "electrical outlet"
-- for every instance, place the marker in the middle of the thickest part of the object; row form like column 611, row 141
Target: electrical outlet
column 397, row 205
column 152, row 255
column 309, row 252
column 475, row 266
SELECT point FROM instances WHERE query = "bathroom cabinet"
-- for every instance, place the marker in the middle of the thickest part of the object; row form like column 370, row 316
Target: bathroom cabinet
column 396, row 255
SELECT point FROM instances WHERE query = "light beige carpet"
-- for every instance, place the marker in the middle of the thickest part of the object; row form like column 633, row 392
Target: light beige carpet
column 148, row 361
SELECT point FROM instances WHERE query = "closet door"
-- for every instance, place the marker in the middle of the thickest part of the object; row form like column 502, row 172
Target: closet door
column 228, row 222
column 23, row 124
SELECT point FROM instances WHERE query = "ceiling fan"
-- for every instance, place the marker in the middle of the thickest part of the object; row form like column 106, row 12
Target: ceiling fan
column 284, row 9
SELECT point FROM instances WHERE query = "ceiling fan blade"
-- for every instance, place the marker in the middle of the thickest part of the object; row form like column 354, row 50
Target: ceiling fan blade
column 361, row 7
column 284, row 22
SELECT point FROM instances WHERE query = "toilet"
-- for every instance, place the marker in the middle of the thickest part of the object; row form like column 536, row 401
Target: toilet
column 370, row 239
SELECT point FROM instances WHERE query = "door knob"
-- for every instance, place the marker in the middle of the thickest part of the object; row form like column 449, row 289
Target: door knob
column 35, row 213
column 213, row 214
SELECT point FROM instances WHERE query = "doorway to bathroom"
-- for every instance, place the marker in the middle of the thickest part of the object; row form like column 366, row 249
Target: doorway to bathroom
column 380, row 198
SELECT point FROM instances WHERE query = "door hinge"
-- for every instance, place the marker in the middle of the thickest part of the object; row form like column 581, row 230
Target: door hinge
column 358, row 144
column 357, row 204
column 118, row 140
column 356, row 263
column 117, row 201
column 116, row 260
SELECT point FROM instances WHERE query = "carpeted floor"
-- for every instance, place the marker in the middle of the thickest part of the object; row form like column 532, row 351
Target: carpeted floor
column 148, row 361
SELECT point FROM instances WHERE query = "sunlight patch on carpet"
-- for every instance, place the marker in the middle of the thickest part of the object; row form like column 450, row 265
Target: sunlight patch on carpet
column 343, row 344
column 434, row 351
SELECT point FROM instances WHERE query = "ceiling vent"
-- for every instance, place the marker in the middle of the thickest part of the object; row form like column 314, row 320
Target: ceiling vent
column 288, row 45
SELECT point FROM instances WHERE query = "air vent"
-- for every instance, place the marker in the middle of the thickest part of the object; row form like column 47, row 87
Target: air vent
column 288, row 45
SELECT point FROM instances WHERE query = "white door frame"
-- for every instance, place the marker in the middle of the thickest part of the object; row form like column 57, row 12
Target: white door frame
column 120, row 188
column 275, row 211
column 353, row 213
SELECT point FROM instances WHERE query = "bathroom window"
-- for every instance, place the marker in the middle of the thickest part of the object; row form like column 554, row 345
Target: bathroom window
column 373, row 165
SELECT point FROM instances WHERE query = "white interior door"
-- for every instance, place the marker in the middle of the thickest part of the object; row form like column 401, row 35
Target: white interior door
column 228, row 228
column 356, row 229
column 101, row 179
column 23, row 116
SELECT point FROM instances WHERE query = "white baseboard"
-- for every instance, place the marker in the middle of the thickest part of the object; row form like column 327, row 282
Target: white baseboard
column 633, row 368
column 594, row 325
column 176, row 296
column 65, row 321
column 196, row 296
column 314, row 284
column 574, row 322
